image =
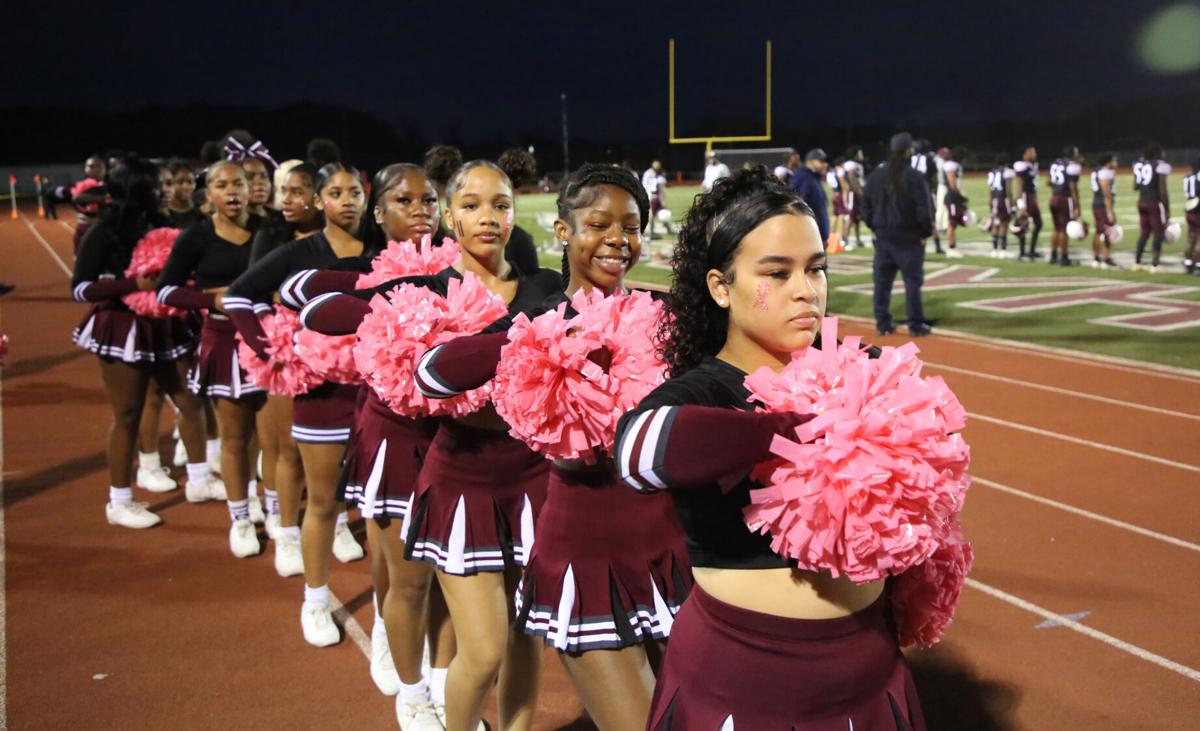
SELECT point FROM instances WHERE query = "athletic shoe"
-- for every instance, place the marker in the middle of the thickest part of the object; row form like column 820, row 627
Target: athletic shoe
column 1065, row 261
column 954, row 254
column 272, row 526
column 345, row 548
column 243, row 540
column 1111, row 264
column 919, row 331
column 383, row 670
column 417, row 715
column 1137, row 267
column 1097, row 264
column 155, row 480
column 180, row 458
column 256, row 508
column 289, row 561
column 1036, row 255
column 130, row 515
column 1155, row 269
column 885, row 329
column 210, row 488
column 316, row 621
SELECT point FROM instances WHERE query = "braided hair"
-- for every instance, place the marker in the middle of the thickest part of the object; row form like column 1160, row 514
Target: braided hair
column 694, row 326
column 580, row 190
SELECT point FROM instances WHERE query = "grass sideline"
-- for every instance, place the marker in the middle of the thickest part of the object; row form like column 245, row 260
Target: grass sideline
column 1066, row 328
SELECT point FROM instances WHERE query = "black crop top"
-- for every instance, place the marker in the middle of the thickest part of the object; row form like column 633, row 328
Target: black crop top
column 711, row 517
column 201, row 254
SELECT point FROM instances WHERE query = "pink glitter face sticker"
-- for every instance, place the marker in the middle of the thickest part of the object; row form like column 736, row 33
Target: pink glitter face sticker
column 508, row 218
column 760, row 296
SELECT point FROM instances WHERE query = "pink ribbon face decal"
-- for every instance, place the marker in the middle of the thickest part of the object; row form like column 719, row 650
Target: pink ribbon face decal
column 761, row 291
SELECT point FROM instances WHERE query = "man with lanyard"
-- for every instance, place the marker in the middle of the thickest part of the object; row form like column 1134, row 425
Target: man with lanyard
column 806, row 182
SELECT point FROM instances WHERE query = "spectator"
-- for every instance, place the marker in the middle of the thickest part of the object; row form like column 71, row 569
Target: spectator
column 897, row 207
column 785, row 171
column 806, row 181
column 655, row 184
column 714, row 171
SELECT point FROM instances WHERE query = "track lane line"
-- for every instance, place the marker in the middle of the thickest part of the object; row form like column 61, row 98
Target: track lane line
column 1095, row 634
column 46, row 245
column 1085, row 442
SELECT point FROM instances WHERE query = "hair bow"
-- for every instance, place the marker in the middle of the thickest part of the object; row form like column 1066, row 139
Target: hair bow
column 237, row 152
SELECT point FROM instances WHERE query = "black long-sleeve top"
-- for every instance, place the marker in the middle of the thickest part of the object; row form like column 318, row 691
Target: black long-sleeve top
column 257, row 285
column 100, row 266
column 200, row 254
column 904, row 213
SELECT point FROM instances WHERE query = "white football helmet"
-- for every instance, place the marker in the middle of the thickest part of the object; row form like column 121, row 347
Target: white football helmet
column 1077, row 230
column 1114, row 233
column 1174, row 231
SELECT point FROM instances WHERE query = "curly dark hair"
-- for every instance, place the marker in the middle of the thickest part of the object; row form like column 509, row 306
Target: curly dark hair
column 717, row 222
column 441, row 162
column 519, row 165
column 579, row 190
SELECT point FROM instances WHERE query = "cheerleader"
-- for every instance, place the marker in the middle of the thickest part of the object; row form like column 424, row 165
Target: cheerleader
column 797, row 649
column 479, row 490
column 87, row 195
column 134, row 351
column 282, row 471
column 609, row 568
column 180, row 208
column 213, row 253
column 322, row 417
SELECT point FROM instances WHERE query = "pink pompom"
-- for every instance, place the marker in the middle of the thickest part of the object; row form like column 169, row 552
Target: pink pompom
column 330, row 356
column 148, row 259
column 869, row 486
column 409, row 321
column 283, row 373
column 82, row 187
column 558, row 401
column 925, row 598
column 406, row 259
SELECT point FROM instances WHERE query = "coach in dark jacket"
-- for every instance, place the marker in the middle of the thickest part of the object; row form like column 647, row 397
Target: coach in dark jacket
column 807, row 182
column 896, row 205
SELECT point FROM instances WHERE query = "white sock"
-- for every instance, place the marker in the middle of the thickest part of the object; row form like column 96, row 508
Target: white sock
column 198, row 472
column 318, row 595
column 252, row 488
column 437, row 685
column 343, row 518
column 212, row 449
column 378, row 628
column 118, row 495
column 272, row 500
column 417, row 691
column 289, row 531
column 149, row 461
column 239, row 509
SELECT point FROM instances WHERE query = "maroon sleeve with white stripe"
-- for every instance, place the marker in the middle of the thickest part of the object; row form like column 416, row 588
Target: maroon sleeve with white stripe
column 669, row 446
column 459, row 365
column 305, row 285
column 334, row 314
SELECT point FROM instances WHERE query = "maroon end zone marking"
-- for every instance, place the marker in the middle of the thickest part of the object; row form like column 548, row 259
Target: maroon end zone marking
column 1158, row 311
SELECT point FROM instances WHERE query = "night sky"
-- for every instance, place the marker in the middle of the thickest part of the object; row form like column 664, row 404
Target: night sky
column 469, row 70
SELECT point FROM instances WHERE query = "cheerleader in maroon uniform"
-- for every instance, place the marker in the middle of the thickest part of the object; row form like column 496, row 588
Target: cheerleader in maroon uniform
column 322, row 417
column 609, row 568
column 134, row 351
column 479, row 490
column 283, row 474
column 760, row 644
column 213, row 253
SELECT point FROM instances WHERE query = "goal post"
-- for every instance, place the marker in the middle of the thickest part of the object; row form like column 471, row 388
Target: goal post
column 710, row 141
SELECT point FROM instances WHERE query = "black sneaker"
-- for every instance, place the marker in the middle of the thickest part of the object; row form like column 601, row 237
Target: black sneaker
column 885, row 329
column 919, row 331
column 1064, row 261
column 1036, row 255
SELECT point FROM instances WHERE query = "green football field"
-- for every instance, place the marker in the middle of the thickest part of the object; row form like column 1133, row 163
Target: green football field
column 1065, row 327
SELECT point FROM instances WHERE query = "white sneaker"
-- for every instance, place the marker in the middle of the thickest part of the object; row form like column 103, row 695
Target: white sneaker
column 417, row 715
column 1135, row 268
column 272, row 526
column 383, row 670
column 289, row 560
column 953, row 254
column 256, row 508
column 155, row 480
column 317, row 623
column 345, row 548
column 130, row 515
column 180, row 458
column 243, row 541
column 1155, row 269
column 211, row 488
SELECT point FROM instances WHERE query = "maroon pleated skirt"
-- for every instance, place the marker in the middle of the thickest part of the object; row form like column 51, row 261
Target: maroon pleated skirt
column 733, row 668
column 324, row 415
column 217, row 373
column 383, row 459
column 113, row 331
column 477, row 500
column 610, row 567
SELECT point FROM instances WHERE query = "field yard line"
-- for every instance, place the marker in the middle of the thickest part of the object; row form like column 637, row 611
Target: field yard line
column 975, row 480
column 1086, row 442
column 41, row 240
column 1063, row 391
column 1095, row 634
column 354, row 630
column 66, row 225
column 1063, row 354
